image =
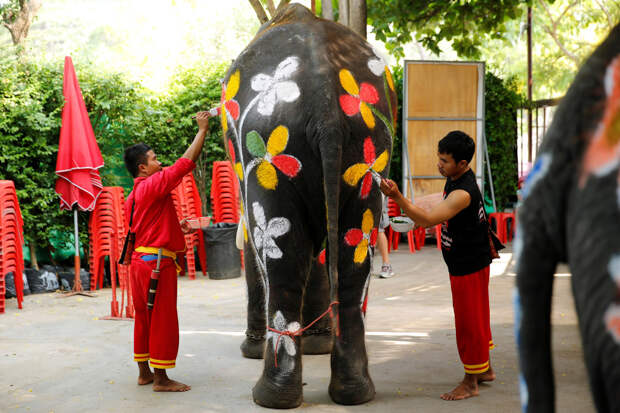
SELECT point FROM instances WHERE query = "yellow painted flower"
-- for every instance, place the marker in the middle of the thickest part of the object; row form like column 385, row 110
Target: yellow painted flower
column 271, row 155
column 362, row 238
column 365, row 170
column 230, row 106
column 358, row 98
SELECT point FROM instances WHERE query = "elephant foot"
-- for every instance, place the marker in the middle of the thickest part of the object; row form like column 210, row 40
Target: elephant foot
column 266, row 393
column 253, row 348
column 317, row 344
column 352, row 390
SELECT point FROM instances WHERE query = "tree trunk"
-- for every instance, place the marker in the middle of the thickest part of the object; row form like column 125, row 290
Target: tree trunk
column 18, row 25
column 343, row 12
column 327, row 10
column 260, row 11
column 357, row 16
column 33, row 255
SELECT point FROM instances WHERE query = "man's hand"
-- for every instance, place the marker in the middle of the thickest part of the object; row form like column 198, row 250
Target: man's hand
column 202, row 119
column 389, row 188
column 185, row 226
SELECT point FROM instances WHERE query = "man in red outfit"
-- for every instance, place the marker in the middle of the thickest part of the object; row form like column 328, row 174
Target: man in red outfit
column 465, row 248
column 155, row 223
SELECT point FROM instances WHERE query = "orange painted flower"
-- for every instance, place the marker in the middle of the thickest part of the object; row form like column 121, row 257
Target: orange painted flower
column 358, row 98
column 230, row 106
column 362, row 238
column 365, row 170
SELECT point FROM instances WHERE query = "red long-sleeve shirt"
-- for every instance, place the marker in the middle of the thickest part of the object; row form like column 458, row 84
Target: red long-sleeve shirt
column 155, row 220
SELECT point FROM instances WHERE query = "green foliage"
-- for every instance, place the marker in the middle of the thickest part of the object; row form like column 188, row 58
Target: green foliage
column 501, row 104
column 122, row 113
column 466, row 23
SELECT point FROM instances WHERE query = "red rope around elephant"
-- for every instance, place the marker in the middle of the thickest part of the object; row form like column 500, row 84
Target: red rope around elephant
column 300, row 331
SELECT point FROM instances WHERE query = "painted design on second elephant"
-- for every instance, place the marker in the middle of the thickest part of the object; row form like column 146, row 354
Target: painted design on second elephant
column 603, row 153
column 612, row 315
column 271, row 155
column 371, row 168
column 229, row 105
column 265, row 233
column 362, row 239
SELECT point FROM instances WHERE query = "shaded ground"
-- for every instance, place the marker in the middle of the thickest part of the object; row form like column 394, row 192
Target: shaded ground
column 56, row 355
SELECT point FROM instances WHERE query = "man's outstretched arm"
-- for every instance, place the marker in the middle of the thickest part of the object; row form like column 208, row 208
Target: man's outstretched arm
column 455, row 202
column 202, row 118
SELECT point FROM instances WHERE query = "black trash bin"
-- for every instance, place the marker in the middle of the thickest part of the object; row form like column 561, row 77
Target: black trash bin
column 223, row 257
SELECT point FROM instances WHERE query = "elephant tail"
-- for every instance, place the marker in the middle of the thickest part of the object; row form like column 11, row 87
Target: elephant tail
column 331, row 163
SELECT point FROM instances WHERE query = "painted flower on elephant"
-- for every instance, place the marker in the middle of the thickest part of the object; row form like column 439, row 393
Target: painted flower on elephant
column 372, row 166
column 612, row 315
column 233, row 159
column 230, row 106
column 378, row 66
column 270, row 156
column 277, row 87
column 265, row 232
column 362, row 238
column 280, row 324
column 358, row 98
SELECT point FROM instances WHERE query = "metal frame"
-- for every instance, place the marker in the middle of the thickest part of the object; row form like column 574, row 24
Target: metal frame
column 482, row 154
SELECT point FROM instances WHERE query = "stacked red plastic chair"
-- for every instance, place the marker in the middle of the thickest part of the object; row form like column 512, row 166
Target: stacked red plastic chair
column 224, row 193
column 393, row 237
column 188, row 205
column 11, row 242
column 107, row 230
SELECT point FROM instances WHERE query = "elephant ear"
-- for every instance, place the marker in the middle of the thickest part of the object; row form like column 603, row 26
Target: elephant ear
column 255, row 144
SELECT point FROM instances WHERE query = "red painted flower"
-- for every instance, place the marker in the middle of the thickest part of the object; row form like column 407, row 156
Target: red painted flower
column 358, row 98
column 365, row 170
column 362, row 238
column 236, row 165
column 228, row 93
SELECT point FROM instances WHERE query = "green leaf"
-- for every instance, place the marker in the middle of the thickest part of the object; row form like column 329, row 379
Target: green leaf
column 255, row 144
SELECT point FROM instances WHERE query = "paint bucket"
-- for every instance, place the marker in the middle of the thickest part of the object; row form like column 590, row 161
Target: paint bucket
column 223, row 257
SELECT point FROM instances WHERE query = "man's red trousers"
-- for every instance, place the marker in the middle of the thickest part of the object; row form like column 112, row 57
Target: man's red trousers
column 156, row 331
column 470, row 299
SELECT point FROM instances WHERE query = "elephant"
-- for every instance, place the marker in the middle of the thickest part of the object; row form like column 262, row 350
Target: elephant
column 570, row 212
column 308, row 112
column 315, row 340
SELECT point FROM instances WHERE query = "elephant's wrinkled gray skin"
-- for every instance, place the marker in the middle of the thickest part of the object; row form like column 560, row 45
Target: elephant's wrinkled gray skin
column 308, row 113
column 571, row 213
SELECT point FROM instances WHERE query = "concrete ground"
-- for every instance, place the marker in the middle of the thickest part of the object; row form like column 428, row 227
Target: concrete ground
column 56, row 355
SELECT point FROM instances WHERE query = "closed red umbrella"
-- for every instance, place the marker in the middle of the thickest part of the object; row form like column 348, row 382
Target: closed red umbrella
column 79, row 159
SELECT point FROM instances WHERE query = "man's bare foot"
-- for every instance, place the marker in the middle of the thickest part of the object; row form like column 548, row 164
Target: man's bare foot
column 466, row 389
column 142, row 380
column 170, row 385
column 146, row 375
column 488, row 375
column 163, row 383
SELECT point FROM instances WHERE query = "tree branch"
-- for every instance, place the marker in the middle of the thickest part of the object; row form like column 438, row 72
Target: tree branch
column 271, row 8
column 610, row 21
column 281, row 5
column 552, row 31
column 260, row 11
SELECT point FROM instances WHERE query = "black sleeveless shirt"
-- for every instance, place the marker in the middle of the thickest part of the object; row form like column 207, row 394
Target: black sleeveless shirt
column 464, row 237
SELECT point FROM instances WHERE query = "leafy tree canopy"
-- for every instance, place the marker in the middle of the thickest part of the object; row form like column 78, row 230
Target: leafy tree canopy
column 464, row 23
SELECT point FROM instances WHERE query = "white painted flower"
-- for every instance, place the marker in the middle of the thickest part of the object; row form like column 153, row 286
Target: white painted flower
column 264, row 233
column 377, row 64
column 287, row 342
column 277, row 87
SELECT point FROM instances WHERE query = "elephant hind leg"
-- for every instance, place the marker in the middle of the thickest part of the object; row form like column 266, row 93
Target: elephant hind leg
column 318, row 338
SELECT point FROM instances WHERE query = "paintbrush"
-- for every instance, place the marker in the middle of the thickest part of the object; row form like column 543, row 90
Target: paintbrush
column 212, row 112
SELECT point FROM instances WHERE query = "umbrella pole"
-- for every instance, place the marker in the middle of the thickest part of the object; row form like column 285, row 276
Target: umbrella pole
column 77, row 283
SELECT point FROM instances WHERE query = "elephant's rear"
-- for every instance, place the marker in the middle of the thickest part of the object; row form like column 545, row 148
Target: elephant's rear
column 571, row 212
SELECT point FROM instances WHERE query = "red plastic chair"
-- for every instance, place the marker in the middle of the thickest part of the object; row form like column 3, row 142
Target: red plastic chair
column 11, row 242
column 501, row 220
